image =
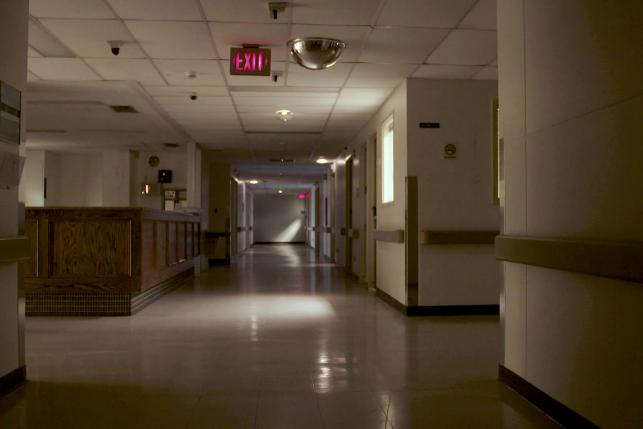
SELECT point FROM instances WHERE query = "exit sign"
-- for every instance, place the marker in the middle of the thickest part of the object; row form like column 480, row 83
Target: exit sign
column 250, row 61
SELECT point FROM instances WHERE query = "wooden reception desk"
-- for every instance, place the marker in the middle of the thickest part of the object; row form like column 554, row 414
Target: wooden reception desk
column 106, row 261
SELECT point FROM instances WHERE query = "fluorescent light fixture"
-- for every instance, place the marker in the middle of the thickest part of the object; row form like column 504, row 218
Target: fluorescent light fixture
column 253, row 181
column 280, row 191
column 322, row 160
column 284, row 114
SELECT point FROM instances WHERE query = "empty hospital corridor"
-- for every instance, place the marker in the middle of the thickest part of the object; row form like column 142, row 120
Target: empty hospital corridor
column 280, row 338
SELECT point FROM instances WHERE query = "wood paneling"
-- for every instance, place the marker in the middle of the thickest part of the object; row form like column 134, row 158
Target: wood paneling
column 86, row 248
column 102, row 249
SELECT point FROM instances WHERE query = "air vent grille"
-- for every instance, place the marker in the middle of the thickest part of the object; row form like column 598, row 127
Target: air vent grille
column 123, row 109
column 171, row 145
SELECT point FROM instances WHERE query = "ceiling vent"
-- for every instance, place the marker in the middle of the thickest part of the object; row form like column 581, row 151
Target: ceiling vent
column 282, row 160
column 123, row 109
column 171, row 145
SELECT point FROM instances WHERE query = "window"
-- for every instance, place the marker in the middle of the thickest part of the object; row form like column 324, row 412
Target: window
column 388, row 178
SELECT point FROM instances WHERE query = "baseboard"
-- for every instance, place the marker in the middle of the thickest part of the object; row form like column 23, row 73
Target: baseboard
column 438, row 310
column 279, row 243
column 98, row 304
column 12, row 380
column 390, row 300
column 144, row 299
column 550, row 406
column 453, row 310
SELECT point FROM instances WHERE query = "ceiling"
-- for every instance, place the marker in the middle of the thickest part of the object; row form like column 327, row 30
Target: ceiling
column 71, row 67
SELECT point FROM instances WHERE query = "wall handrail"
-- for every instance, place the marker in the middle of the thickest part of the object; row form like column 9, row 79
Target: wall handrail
column 437, row 237
column 620, row 260
column 389, row 236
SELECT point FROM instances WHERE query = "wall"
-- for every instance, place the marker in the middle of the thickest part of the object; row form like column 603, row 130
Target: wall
column 454, row 194
column 175, row 160
column 242, row 217
column 570, row 117
column 32, row 183
column 116, row 178
column 278, row 218
column 14, row 16
column 391, row 256
column 72, row 179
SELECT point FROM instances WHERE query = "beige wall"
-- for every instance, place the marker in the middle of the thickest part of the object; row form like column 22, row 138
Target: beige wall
column 570, row 103
column 454, row 194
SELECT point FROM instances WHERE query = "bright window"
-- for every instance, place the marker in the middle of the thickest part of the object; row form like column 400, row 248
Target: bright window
column 388, row 182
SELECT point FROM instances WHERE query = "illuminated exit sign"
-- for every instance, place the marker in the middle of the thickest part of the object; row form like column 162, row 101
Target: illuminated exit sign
column 250, row 61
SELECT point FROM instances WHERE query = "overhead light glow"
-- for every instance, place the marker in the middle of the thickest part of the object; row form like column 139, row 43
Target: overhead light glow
column 280, row 191
column 284, row 114
column 323, row 160
column 253, row 181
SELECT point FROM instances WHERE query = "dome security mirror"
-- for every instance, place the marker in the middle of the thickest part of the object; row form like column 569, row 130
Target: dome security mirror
column 316, row 53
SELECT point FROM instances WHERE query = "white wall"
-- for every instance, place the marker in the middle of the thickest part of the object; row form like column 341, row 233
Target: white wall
column 14, row 16
column 570, row 117
column 278, row 218
column 116, row 178
column 175, row 160
column 454, row 194
column 391, row 256
column 74, row 179
column 32, row 183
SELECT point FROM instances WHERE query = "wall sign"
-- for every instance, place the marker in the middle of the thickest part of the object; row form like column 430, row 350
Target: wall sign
column 450, row 151
column 250, row 61
column 429, row 125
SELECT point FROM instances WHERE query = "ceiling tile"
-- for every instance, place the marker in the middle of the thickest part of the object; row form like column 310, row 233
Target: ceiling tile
column 424, row 13
column 466, row 47
column 379, row 75
column 31, row 52
column 176, row 40
column 332, row 77
column 61, row 69
column 207, row 72
column 284, row 100
column 487, row 73
column 242, row 11
column 202, row 110
column 273, row 36
column 254, row 80
column 446, row 72
column 139, row 70
column 353, row 36
column 88, row 38
column 482, row 16
column 400, row 45
column 32, row 77
column 170, row 10
column 335, row 12
column 371, row 97
column 42, row 41
column 86, row 9
column 185, row 91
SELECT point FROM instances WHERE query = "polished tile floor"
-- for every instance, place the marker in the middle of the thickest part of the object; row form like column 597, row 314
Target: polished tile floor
column 278, row 340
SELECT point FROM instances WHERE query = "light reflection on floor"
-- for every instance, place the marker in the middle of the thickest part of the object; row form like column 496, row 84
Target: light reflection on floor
column 281, row 339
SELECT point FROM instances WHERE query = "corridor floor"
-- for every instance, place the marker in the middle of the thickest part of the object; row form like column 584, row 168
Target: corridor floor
column 280, row 339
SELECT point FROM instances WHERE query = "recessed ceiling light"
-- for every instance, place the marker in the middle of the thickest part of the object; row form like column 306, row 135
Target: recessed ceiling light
column 323, row 160
column 280, row 191
column 284, row 114
column 253, row 181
